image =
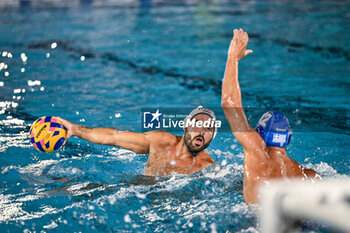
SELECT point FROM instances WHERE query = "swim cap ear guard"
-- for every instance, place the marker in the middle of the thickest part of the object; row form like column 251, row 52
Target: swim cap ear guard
column 201, row 110
column 274, row 128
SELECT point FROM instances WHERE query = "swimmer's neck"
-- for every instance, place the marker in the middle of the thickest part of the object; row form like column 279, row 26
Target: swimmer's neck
column 276, row 149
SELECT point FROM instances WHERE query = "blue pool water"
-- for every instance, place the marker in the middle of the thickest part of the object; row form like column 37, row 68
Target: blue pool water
column 160, row 54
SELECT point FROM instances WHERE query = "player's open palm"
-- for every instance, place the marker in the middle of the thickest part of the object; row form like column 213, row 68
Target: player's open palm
column 239, row 44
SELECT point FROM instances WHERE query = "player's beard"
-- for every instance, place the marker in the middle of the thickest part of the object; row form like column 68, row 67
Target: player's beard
column 189, row 143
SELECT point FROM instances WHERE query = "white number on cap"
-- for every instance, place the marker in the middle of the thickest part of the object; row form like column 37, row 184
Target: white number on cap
column 265, row 118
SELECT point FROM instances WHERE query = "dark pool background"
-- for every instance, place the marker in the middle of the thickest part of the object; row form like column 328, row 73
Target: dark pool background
column 97, row 63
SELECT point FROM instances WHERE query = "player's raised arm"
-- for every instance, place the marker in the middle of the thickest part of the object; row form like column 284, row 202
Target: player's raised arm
column 137, row 142
column 231, row 100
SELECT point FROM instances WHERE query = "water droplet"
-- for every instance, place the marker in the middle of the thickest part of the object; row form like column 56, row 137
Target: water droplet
column 127, row 218
column 217, row 168
column 111, row 200
column 213, row 228
column 224, row 162
column 24, row 57
column 42, row 88
column 6, row 73
column 33, row 83
column 1, row 84
column 140, row 195
column 82, row 58
column 47, row 55
column 4, row 54
column 22, row 70
column 53, row 45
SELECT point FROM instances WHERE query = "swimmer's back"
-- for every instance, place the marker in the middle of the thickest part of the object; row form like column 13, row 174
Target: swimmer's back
column 271, row 164
column 282, row 165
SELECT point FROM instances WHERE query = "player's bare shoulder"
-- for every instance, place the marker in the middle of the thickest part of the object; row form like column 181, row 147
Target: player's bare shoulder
column 205, row 157
column 210, row 160
column 162, row 137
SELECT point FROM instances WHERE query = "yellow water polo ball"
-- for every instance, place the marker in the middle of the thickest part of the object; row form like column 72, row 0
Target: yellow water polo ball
column 47, row 134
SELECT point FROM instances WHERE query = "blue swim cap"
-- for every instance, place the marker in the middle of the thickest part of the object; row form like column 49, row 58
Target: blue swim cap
column 274, row 128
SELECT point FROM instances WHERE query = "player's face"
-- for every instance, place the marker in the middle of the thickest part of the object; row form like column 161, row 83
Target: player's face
column 197, row 138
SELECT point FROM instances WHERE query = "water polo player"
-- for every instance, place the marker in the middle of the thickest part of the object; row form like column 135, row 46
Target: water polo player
column 264, row 148
column 168, row 153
